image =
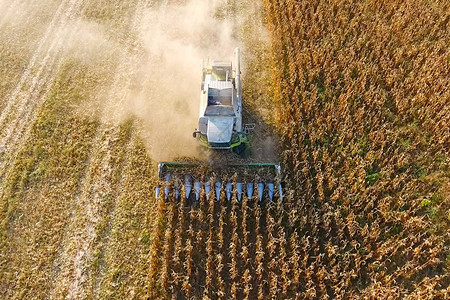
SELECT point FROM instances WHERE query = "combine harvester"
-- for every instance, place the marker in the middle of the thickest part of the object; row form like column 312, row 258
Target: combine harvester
column 220, row 128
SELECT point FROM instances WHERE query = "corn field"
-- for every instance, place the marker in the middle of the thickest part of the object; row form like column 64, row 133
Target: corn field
column 361, row 93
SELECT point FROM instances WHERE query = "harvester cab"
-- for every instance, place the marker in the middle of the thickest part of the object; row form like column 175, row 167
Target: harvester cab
column 220, row 120
column 220, row 127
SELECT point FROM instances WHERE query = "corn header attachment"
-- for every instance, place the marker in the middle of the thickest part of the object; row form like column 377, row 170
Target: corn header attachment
column 191, row 180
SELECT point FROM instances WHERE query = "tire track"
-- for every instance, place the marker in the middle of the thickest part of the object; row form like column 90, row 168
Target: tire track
column 60, row 265
column 96, row 193
column 94, row 207
column 22, row 106
column 28, row 75
column 81, row 232
column 103, row 245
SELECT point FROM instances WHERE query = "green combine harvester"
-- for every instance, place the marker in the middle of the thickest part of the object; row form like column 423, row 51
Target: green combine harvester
column 220, row 128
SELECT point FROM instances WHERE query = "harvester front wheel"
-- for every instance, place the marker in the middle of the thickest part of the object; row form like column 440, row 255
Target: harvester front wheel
column 241, row 149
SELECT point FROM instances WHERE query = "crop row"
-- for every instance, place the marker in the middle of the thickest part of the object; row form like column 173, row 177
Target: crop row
column 363, row 113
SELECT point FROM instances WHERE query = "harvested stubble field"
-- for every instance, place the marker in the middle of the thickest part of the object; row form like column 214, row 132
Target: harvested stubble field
column 361, row 92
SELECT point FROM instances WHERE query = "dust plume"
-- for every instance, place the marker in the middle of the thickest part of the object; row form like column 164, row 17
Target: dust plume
column 175, row 38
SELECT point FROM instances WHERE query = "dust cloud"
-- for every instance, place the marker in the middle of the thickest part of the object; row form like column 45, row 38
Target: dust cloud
column 176, row 38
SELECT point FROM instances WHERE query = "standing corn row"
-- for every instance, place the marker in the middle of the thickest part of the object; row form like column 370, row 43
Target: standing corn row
column 210, row 269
